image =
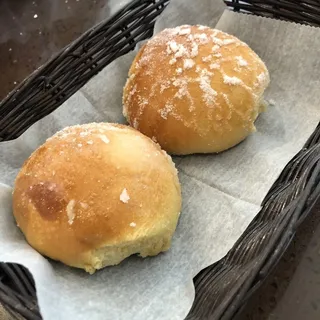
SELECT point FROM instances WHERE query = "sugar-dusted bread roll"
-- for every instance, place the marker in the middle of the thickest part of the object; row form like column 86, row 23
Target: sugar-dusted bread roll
column 195, row 90
column 95, row 194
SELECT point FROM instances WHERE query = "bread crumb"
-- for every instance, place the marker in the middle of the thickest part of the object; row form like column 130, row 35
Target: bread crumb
column 172, row 61
column 124, row 196
column 79, row 145
column 89, row 142
column 271, row 102
column 133, row 224
column 70, row 211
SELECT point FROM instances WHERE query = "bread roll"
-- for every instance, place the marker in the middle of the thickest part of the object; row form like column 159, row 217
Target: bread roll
column 95, row 194
column 195, row 90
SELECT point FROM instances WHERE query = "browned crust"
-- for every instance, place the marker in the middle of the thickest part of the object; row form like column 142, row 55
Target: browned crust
column 66, row 198
column 169, row 101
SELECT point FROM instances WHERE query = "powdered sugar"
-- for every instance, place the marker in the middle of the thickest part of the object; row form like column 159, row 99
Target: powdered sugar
column 216, row 40
column 204, row 72
column 261, row 77
column 194, row 50
column 165, row 85
column 172, row 47
column 231, row 80
column 229, row 104
column 133, row 91
column 183, row 32
column 209, row 94
column 142, row 103
column 202, row 27
column 104, row 138
column 190, row 38
column 177, row 49
column 182, row 52
column 241, row 61
column 85, row 130
column 203, row 38
column 214, row 66
column 124, row 196
column 84, row 205
column 207, row 58
column 228, row 41
column 70, row 211
column 215, row 48
column 166, row 110
column 183, row 91
column 188, row 63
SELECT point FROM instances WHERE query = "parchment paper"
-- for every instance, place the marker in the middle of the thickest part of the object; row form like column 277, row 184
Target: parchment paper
column 221, row 193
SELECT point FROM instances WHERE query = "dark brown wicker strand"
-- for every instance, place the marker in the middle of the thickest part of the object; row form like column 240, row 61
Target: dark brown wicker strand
column 68, row 71
column 221, row 289
column 227, row 304
column 307, row 12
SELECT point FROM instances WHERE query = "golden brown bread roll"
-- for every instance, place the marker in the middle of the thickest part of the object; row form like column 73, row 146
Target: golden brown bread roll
column 195, row 90
column 95, row 194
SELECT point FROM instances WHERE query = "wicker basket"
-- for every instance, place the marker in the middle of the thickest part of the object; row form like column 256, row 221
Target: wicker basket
column 288, row 202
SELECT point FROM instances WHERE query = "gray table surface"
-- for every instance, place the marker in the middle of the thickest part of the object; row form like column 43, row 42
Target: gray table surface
column 31, row 31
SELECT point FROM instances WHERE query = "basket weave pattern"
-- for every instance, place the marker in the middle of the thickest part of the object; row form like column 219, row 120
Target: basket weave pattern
column 222, row 287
